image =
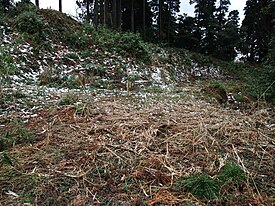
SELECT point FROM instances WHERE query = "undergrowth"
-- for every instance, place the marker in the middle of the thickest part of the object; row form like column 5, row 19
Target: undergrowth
column 15, row 134
column 221, row 187
column 123, row 43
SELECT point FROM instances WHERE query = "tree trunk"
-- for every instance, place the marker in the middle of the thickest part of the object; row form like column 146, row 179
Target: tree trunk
column 143, row 19
column 37, row 3
column 105, row 12
column 101, row 12
column 6, row 4
column 96, row 13
column 88, row 10
column 114, row 14
column 119, row 14
column 132, row 16
column 169, row 23
column 160, row 20
column 60, row 5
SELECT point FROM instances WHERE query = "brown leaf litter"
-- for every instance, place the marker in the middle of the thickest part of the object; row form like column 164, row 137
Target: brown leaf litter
column 118, row 152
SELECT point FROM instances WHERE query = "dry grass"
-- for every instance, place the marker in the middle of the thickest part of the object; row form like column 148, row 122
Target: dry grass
column 115, row 151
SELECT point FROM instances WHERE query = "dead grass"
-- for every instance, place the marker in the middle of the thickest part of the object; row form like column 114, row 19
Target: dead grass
column 119, row 152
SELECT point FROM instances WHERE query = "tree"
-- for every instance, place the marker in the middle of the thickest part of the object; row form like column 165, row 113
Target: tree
column 206, row 24
column 119, row 14
column 60, row 5
column 37, row 3
column 144, row 19
column 86, row 7
column 88, row 16
column 170, row 19
column 271, row 45
column 221, row 12
column 5, row 5
column 96, row 13
column 132, row 16
column 227, row 32
column 164, row 14
column 228, row 38
column 185, row 33
column 257, row 29
column 106, row 6
column 114, row 14
column 136, row 15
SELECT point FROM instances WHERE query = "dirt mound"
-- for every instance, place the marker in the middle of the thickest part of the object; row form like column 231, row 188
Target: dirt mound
column 59, row 24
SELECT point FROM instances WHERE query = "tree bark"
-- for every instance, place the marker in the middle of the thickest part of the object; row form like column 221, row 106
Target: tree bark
column 101, row 12
column 60, row 5
column 143, row 19
column 96, row 13
column 105, row 12
column 119, row 14
column 160, row 20
column 169, row 23
column 114, row 14
column 132, row 16
column 37, row 3
column 88, row 10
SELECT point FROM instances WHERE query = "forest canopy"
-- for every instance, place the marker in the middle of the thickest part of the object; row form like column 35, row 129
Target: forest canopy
column 214, row 30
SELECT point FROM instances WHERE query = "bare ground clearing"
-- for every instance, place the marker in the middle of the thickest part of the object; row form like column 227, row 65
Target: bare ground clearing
column 126, row 151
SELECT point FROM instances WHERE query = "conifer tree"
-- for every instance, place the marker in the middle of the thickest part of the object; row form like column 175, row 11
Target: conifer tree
column 37, row 3
column 60, row 5
column 257, row 29
column 228, row 38
column 206, row 24
column 185, row 33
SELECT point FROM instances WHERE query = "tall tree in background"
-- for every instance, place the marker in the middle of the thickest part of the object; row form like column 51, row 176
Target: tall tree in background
column 132, row 16
column 144, row 19
column 160, row 21
column 114, row 14
column 206, row 24
column 88, row 15
column 5, row 5
column 105, row 13
column 119, row 14
column 186, row 33
column 227, row 32
column 164, row 18
column 228, row 38
column 221, row 12
column 257, row 29
column 37, row 3
column 271, row 45
column 171, row 8
column 60, row 5
column 96, row 10
column 135, row 16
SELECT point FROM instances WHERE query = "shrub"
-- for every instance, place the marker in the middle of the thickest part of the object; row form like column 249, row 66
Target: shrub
column 231, row 172
column 76, row 39
column 7, row 65
column 132, row 44
column 68, row 99
column 126, row 44
column 30, row 22
column 206, row 188
column 217, row 90
column 202, row 186
column 21, row 7
column 16, row 135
